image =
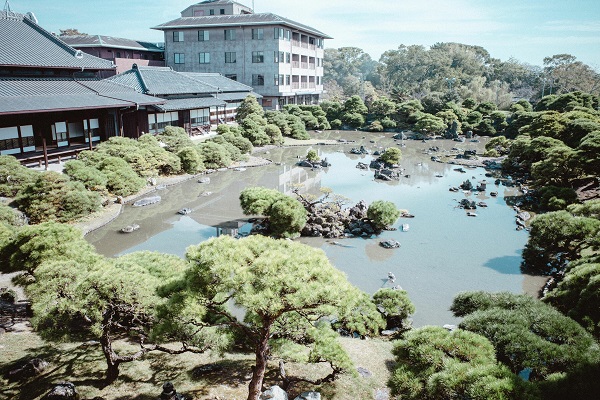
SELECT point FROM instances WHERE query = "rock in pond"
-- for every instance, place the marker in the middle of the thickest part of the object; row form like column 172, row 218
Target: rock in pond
column 130, row 228
column 184, row 211
column 389, row 244
column 205, row 179
column 147, row 201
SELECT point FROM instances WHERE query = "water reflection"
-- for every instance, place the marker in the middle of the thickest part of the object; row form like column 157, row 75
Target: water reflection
column 443, row 253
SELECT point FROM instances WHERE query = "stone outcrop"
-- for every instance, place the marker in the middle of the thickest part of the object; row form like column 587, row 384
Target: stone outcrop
column 62, row 391
column 389, row 244
column 274, row 393
column 387, row 174
column 360, row 150
column 32, row 368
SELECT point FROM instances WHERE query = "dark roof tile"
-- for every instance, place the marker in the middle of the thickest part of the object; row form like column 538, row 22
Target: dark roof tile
column 28, row 95
column 24, row 43
column 81, row 41
column 236, row 20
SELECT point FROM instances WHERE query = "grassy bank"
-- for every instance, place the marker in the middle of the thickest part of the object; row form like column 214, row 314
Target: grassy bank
column 200, row 376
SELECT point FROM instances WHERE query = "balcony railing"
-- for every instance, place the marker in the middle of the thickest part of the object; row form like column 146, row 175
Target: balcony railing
column 311, row 66
column 296, row 43
column 304, row 65
column 295, row 85
column 295, row 64
column 304, row 85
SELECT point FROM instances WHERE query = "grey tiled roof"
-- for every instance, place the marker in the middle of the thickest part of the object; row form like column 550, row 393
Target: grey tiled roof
column 161, row 81
column 219, row 81
column 24, row 43
column 81, row 41
column 189, row 104
column 237, row 20
column 29, row 95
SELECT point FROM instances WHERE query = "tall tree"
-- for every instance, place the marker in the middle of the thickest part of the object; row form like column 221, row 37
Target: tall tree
column 106, row 300
column 284, row 288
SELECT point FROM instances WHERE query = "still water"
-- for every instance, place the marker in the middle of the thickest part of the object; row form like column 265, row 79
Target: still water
column 444, row 251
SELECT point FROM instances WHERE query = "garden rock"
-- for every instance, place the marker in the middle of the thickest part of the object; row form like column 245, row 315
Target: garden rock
column 389, row 244
column 309, row 396
column 63, row 391
column 33, row 367
column 274, row 393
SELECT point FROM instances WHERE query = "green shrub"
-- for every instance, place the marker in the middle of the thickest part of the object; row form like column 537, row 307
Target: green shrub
column 13, row 176
column 214, row 155
column 383, row 213
column 336, row 124
column 10, row 216
column 175, row 139
column 375, row 126
column 388, row 123
column 121, row 179
column 53, row 197
column 391, row 156
column 191, row 162
column 274, row 133
column 312, row 156
column 91, row 177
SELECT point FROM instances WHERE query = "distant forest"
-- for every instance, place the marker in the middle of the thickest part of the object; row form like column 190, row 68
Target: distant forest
column 452, row 72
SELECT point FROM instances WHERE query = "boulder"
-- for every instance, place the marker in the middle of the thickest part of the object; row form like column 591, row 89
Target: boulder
column 62, row 391
column 205, row 179
column 309, row 396
column 362, row 165
column 274, row 393
column 169, row 393
column 389, row 244
column 365, row 373
column 376, row 164
column 32, row 368
column 324, row 163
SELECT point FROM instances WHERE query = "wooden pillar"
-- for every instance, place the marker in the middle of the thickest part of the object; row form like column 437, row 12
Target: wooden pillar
column 45, row 151
column 89, row 132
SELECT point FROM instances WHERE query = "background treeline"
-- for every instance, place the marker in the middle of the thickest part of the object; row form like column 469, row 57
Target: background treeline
column 451, row 72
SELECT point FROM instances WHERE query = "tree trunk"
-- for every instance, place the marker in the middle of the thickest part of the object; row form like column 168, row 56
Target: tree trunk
column 112, row 361
column 262, row 353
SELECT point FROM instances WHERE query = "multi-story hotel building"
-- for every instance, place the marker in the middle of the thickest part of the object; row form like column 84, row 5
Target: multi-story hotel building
column 280, row 58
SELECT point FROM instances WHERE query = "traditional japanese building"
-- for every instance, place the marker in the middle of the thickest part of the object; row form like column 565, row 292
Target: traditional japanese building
column 52, row 102
column 191, row 100
column 280, row 58
column 122, row 52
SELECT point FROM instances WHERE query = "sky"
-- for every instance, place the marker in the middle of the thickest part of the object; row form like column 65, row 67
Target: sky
column 527, row 30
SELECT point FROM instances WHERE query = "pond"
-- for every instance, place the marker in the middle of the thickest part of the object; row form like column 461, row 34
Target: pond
column 443, row 252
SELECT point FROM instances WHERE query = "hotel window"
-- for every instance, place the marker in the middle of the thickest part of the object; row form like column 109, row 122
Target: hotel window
column 203, row 36
column 288, row 35
column 222, row 11
column 279, row 33
column 278, row 56
column 281, row 77
column 287, row 58
column 258, row 57
column 229, row 34
column 258, row 33
column 204, row 58
column 211, row 12
column 233, row 77
column 230, row 57
column 318, row 80
column 258, row 80
column 311, row 41
column 178, row 36
column 276, row 80
column 287, row 80
column 179, row 58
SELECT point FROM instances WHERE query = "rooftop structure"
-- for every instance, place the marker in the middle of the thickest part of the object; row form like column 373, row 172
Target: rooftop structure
column 122, row 52
column 280, row 58
column 191, row 100
column 52, row 101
